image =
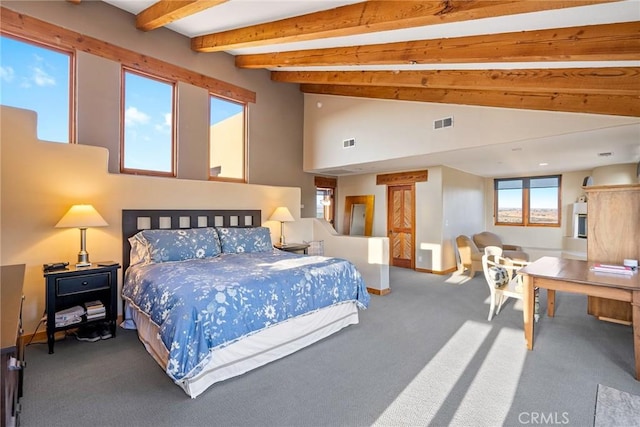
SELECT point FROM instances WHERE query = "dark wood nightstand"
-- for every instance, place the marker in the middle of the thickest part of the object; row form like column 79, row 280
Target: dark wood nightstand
column 293, row 247
column 77, row 285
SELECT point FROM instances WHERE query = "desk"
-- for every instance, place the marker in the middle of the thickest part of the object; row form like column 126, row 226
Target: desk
column 570, row 275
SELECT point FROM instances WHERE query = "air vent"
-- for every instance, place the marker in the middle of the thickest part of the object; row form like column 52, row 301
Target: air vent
column 447, row 122
column 348, row 143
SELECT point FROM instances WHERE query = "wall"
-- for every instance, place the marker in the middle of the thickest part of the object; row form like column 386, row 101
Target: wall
column 616, row 174
column 275, row 120
column 390, row 129
column 41, row 180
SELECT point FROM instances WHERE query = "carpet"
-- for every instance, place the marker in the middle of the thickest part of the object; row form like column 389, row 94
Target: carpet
column 616, row 408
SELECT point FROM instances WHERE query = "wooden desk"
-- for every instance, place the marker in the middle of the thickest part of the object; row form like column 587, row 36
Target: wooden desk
column 568, row 275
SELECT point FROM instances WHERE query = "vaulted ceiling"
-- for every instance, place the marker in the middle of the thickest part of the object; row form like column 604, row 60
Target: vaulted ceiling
column 554, row 55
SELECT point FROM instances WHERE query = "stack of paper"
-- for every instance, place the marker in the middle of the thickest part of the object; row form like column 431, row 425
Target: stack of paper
column 609, row 268
column 69, row 316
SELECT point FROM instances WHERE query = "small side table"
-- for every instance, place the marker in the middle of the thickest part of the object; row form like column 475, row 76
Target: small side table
column 77, row 285
column 293, row 247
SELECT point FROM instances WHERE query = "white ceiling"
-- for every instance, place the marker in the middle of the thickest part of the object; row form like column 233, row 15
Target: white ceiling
column 565, row 152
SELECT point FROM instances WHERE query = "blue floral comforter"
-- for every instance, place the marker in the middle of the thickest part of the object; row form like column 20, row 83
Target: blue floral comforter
column 203, row 304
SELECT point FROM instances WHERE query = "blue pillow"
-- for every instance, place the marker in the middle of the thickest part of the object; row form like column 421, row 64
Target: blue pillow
column 244, row 240
column 181, row 244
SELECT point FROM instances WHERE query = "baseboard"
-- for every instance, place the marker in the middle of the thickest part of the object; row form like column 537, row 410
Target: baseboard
column 380, row 292
column 440, row 272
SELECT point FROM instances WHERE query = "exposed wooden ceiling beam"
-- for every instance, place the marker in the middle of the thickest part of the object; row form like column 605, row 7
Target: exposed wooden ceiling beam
column 620, row 105
column 166, row 11
column 612, row 81
column 607, row 42
column 371, row 16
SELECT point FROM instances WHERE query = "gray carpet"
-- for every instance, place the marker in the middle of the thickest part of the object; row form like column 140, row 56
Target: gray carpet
column 423, row 355
column 616, row 408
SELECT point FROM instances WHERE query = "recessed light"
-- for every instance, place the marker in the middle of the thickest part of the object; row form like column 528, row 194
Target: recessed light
column 605, row 154
column 543, row 164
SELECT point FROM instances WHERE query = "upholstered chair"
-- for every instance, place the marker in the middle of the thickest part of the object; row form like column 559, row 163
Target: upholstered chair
column 470, row 255
column 486, row 238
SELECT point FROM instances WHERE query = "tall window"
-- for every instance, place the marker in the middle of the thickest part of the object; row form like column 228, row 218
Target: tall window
column 226, row 140
column 532, row 201
column 148, row 115
column 37, row 77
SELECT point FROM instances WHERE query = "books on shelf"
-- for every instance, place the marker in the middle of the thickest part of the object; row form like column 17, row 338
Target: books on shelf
column 611, row 268
column 95, row 310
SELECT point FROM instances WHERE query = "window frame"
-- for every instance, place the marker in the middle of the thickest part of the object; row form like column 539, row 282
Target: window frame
column 526, row 201
column 245, row 148
column 174, row 118
column 72, row 76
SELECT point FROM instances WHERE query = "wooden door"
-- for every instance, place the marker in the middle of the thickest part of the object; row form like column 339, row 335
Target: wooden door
column 400, row 224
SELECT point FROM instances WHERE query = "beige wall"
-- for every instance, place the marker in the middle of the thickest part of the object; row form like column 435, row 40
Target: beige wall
column 41, row 180
column 275, row 120
column 389, row 129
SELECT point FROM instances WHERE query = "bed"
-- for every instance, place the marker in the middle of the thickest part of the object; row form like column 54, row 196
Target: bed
column 211, row 298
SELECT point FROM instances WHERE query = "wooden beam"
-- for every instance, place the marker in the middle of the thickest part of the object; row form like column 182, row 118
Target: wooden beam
column 368, row 17
column 612, row 81
column 606, row 42
column 619, row 105
column 44, row 32
column 166, row 11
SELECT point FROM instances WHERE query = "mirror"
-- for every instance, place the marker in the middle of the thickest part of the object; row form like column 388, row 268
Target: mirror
column 358, row 215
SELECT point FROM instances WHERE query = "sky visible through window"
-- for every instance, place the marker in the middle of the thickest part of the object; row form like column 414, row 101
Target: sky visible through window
column 36, row 78
column 148, row 122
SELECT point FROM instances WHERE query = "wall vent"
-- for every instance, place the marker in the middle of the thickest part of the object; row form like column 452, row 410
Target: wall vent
column 348, row 143
column 447, row 122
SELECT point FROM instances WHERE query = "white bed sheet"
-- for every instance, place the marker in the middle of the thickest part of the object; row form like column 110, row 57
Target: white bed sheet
column 253, row 351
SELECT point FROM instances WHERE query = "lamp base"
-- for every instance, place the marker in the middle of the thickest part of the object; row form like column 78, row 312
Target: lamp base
column 83, row 264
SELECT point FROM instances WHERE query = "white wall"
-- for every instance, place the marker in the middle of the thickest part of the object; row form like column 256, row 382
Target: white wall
column 41, row 180
column 390, row 129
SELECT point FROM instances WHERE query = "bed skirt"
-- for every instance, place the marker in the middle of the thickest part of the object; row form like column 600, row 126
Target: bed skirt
column 253, row 351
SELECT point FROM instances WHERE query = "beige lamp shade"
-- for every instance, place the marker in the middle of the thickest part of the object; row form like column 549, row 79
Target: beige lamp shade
column 81, row 216
column 281, row 214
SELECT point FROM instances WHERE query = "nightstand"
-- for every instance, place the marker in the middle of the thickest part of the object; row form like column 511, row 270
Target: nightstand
column 293, row 247
column 77, row 285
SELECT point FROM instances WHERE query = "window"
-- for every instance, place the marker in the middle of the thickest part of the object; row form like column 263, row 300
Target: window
column 226, row 140
column 533, row 201
column 324, row 204
column 37, row 77
column 148, row 117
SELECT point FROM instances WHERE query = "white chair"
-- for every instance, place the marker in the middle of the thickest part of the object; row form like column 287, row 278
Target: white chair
column 502, row 277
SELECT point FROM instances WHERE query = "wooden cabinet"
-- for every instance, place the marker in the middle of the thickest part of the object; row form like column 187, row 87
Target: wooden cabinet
column 613, row 235
column 12, row 278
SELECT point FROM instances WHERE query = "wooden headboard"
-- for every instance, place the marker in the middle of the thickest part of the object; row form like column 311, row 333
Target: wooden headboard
column 135, row 220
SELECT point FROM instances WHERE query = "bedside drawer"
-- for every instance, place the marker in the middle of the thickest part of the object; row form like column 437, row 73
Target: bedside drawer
column 79, row 284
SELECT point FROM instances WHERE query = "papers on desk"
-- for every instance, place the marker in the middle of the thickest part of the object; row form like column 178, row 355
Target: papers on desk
column 615, row 269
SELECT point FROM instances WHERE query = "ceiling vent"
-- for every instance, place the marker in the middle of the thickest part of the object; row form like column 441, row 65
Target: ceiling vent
column 348, row 143
column 447, row 122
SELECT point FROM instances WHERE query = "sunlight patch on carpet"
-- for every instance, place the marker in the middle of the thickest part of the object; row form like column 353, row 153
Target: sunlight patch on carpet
column 420, row 400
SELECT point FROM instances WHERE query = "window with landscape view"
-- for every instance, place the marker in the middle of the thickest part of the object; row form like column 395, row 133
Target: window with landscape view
column 226, row 140
column 531, row 201
column 38, row 77
column 148, row 115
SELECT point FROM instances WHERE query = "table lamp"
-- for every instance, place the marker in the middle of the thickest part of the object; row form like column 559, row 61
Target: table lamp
column 283, row 215
column 82, row 217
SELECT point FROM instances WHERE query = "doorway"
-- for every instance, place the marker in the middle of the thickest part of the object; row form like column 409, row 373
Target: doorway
column 401, row 224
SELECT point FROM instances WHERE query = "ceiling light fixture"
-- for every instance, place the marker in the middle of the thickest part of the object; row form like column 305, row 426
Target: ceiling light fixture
column 605, row 154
